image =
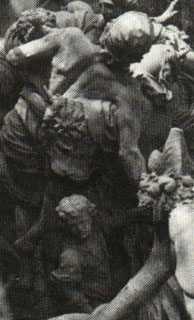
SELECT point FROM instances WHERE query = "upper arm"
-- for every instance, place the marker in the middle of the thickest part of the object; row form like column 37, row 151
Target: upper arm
column 151, row 62
column 129, row 153
column 129, row 130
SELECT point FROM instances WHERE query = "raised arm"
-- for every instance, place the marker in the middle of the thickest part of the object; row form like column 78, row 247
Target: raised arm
column 142, row 287
column 130, row 156
column 129, row 123
column 68, row 49
column 168, row 13
column 43, row 47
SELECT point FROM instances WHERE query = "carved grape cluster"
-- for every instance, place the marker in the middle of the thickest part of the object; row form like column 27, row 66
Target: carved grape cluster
column 28, row 26
column 172, row 188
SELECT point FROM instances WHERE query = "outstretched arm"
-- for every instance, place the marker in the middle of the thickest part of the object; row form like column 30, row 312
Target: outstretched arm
column 130, row 156
column 69, row 50
column 129, row 126
column 142, row 287
column 145, row 284
column 168, row 13
column 31, row 51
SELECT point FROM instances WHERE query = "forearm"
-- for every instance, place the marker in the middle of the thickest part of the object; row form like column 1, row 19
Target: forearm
column 161, row 19
column 187, row 64
column 144, row 285
column 133, row 164
column 151, row 62
column 44, row 47
column 167, row 14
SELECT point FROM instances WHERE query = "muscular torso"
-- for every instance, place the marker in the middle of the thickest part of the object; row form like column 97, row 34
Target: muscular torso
column 181, row 226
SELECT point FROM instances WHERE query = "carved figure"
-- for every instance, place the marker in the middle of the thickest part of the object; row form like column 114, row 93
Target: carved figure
column 83, row 276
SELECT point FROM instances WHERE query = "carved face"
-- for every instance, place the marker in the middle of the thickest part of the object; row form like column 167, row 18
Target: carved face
column 80, row 226
column 128, row 37
column 76, row 211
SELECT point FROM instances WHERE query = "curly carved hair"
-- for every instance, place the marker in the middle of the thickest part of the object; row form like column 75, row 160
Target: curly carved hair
column 77, row 211
column 29, row 27
column 76, row 206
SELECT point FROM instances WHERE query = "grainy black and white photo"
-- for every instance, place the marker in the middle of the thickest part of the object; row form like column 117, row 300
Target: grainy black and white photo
column 96, row 160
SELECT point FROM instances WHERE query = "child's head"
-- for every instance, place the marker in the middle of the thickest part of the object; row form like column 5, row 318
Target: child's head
column 77, row 212
column 129, row 36
column 28, row 27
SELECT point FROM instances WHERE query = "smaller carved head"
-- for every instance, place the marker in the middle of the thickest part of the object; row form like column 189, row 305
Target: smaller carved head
column 77, row 212
column 28, row 27
column 128, row 36
column 74, row 6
